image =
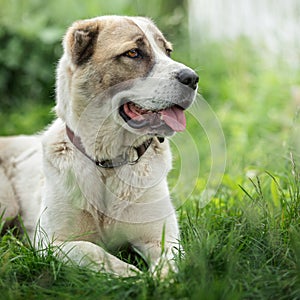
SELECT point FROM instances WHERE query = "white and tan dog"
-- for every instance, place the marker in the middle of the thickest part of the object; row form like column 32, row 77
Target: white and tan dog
column 96, row 179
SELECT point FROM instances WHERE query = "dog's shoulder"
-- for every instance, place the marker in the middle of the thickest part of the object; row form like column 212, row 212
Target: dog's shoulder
column 57, row 149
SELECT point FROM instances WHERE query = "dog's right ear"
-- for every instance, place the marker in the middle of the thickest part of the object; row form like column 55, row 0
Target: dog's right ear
column 80, row 41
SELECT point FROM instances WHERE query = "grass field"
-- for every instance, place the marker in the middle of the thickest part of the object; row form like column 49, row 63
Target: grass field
column 245, row 243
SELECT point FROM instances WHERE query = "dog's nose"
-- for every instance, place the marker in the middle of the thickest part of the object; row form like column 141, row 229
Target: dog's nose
column 188, row 77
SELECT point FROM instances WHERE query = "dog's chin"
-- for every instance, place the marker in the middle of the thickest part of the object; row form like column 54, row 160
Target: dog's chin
column 161, row 122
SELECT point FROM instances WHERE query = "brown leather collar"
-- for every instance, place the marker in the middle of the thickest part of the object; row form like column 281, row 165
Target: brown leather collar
column 118, row 161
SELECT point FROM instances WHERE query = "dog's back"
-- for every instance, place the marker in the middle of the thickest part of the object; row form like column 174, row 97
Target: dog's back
column 20, row 169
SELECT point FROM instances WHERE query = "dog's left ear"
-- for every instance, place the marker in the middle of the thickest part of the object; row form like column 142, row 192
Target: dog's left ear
column 80, row 41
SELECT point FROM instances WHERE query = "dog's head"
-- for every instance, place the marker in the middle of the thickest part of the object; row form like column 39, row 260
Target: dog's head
column 123, row 66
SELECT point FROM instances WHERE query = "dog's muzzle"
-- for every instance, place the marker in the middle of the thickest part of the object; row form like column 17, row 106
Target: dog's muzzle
column 158, row 104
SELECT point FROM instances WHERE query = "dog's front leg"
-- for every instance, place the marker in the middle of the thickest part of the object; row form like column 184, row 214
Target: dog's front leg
column 161, row 247
column 92, row 256
column 161, row 259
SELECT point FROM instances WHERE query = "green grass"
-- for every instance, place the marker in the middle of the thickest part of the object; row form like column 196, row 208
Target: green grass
column 245, row 243
column 235, row 248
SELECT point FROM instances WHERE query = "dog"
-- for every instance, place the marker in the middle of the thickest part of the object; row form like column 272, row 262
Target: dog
column 95, row 179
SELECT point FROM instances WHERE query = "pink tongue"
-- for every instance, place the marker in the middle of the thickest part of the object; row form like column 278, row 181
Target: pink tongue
column 174, row 118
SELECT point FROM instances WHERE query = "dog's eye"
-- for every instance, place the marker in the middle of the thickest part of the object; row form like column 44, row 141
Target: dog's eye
column 133, row 53
column 169, row 51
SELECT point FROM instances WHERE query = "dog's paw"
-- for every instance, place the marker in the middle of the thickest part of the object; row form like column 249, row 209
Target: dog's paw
column 132, row 271
column 162, row 269
column 124, row 271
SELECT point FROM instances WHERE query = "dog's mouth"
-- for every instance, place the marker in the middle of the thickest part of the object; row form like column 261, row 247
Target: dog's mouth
column 137, row 117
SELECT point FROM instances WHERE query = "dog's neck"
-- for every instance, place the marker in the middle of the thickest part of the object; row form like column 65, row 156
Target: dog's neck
column 121, row 160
